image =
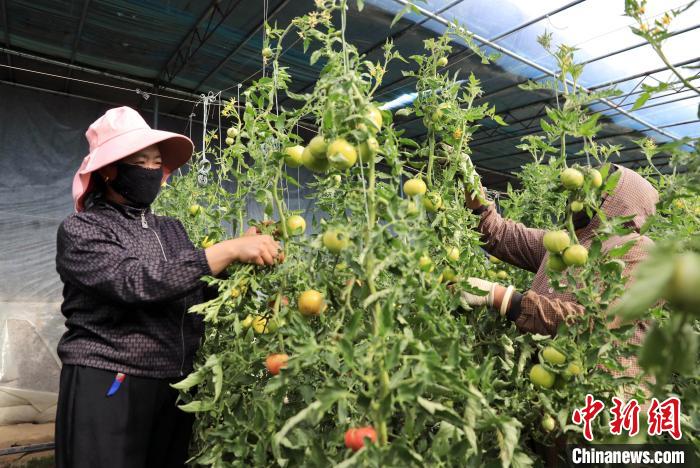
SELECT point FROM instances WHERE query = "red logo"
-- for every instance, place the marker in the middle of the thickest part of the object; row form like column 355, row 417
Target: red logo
column 587, row 414
column 665, row 417
column 625, row 416
column 662, row 417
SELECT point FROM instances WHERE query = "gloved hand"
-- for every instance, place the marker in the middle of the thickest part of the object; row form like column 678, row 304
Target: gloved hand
column 497, row 296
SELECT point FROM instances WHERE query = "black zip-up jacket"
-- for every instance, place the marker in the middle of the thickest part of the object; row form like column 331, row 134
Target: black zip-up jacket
column 129, row 277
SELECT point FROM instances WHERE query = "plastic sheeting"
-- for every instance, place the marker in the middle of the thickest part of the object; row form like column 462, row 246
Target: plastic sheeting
column 41, row 145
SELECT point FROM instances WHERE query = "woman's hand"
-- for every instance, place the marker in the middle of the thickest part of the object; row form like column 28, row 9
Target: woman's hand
column 498, row 297
column 249, row 248
column 475, row 203
column 254, row 248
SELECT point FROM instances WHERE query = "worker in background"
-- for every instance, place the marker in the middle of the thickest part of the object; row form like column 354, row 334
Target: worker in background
column 129, row 279
column 541, row 309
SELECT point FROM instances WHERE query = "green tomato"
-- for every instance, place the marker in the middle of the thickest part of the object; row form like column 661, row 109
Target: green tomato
column 335, row 240
column 296, row 225
column 502, row 274
column 548, row 423
column 595, row 177
column 571, row 179
column 541, row 376
column 432, row 202
column 413, row 187
column 556, row 241
column 375, row 116
column 553, row 355
column 452, row 253
column 442, row 62
column 232, row 132
column 573, row 369
column 368, row 149
column 449, row 275
column 576, row 255
column 556, row 263
column 313, row 164
column 293, row 155
column 683, row 289
column 426, row 264
column 318, row 146
column 576, row 206
column 341, row 154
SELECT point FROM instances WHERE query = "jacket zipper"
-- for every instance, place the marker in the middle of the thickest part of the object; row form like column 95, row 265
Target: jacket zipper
column 144, row 224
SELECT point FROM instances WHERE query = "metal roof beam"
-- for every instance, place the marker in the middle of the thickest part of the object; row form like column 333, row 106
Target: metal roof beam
column 203, row 29
column 577, row 158
column 476, row 143
column 411, row 26
column 6, row 28
column 585, row 62
column 578, row 141
column 76, row 41
column 608, row 102
column 456, row 58
column 539, row 67
column 245, row 40
column 93, row 71
column 539, row 114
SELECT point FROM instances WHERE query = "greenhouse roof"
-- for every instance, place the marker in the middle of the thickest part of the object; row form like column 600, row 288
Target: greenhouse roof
column 167, row 53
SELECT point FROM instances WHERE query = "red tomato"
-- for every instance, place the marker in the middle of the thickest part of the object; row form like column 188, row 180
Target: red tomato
column 355, row 437
column 275, row 362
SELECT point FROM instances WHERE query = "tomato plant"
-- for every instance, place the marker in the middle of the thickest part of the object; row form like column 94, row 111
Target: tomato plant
column 384, row 365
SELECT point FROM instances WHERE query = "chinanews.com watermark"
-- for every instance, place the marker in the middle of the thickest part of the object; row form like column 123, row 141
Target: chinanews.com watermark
column 663, row 418
column 666, row 455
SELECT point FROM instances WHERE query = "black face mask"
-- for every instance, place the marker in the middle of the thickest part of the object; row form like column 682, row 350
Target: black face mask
column 137, row 184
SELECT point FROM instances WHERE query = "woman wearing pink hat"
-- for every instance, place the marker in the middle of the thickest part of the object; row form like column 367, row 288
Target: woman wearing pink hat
column 129, row 278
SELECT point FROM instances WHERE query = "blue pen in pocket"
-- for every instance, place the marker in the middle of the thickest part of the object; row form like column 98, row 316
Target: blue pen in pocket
column 118, row 379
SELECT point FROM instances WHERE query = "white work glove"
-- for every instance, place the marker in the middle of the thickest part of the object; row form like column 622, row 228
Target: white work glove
column 489, row 287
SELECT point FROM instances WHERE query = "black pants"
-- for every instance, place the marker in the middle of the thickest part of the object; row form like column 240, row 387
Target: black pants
column 138, row 426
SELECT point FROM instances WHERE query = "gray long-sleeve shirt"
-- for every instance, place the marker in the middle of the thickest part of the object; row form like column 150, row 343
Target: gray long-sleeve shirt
column 129, row 277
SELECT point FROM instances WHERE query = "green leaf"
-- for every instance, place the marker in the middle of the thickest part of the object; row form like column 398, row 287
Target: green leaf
column 315, row 56
column 195, row 378
column 621, row 250
column 441, row 411
column 652, row 355
column 499, row 120
column 400, row 14
column 218, row 379
column 508, row 435
column 641, row 100
column 650, row 280
column 197, row 406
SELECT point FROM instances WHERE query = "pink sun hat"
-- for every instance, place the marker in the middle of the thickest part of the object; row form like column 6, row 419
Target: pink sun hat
column 119, row 133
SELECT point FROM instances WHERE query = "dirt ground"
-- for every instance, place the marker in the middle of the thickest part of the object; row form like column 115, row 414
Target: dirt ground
column 26, row 434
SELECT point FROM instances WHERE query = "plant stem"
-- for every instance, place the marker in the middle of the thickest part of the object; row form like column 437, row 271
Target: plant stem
column 570, row 226
column 431, row 157
column 673, row 69
column 380, row 422
column 278, row 203
column 343, row 25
